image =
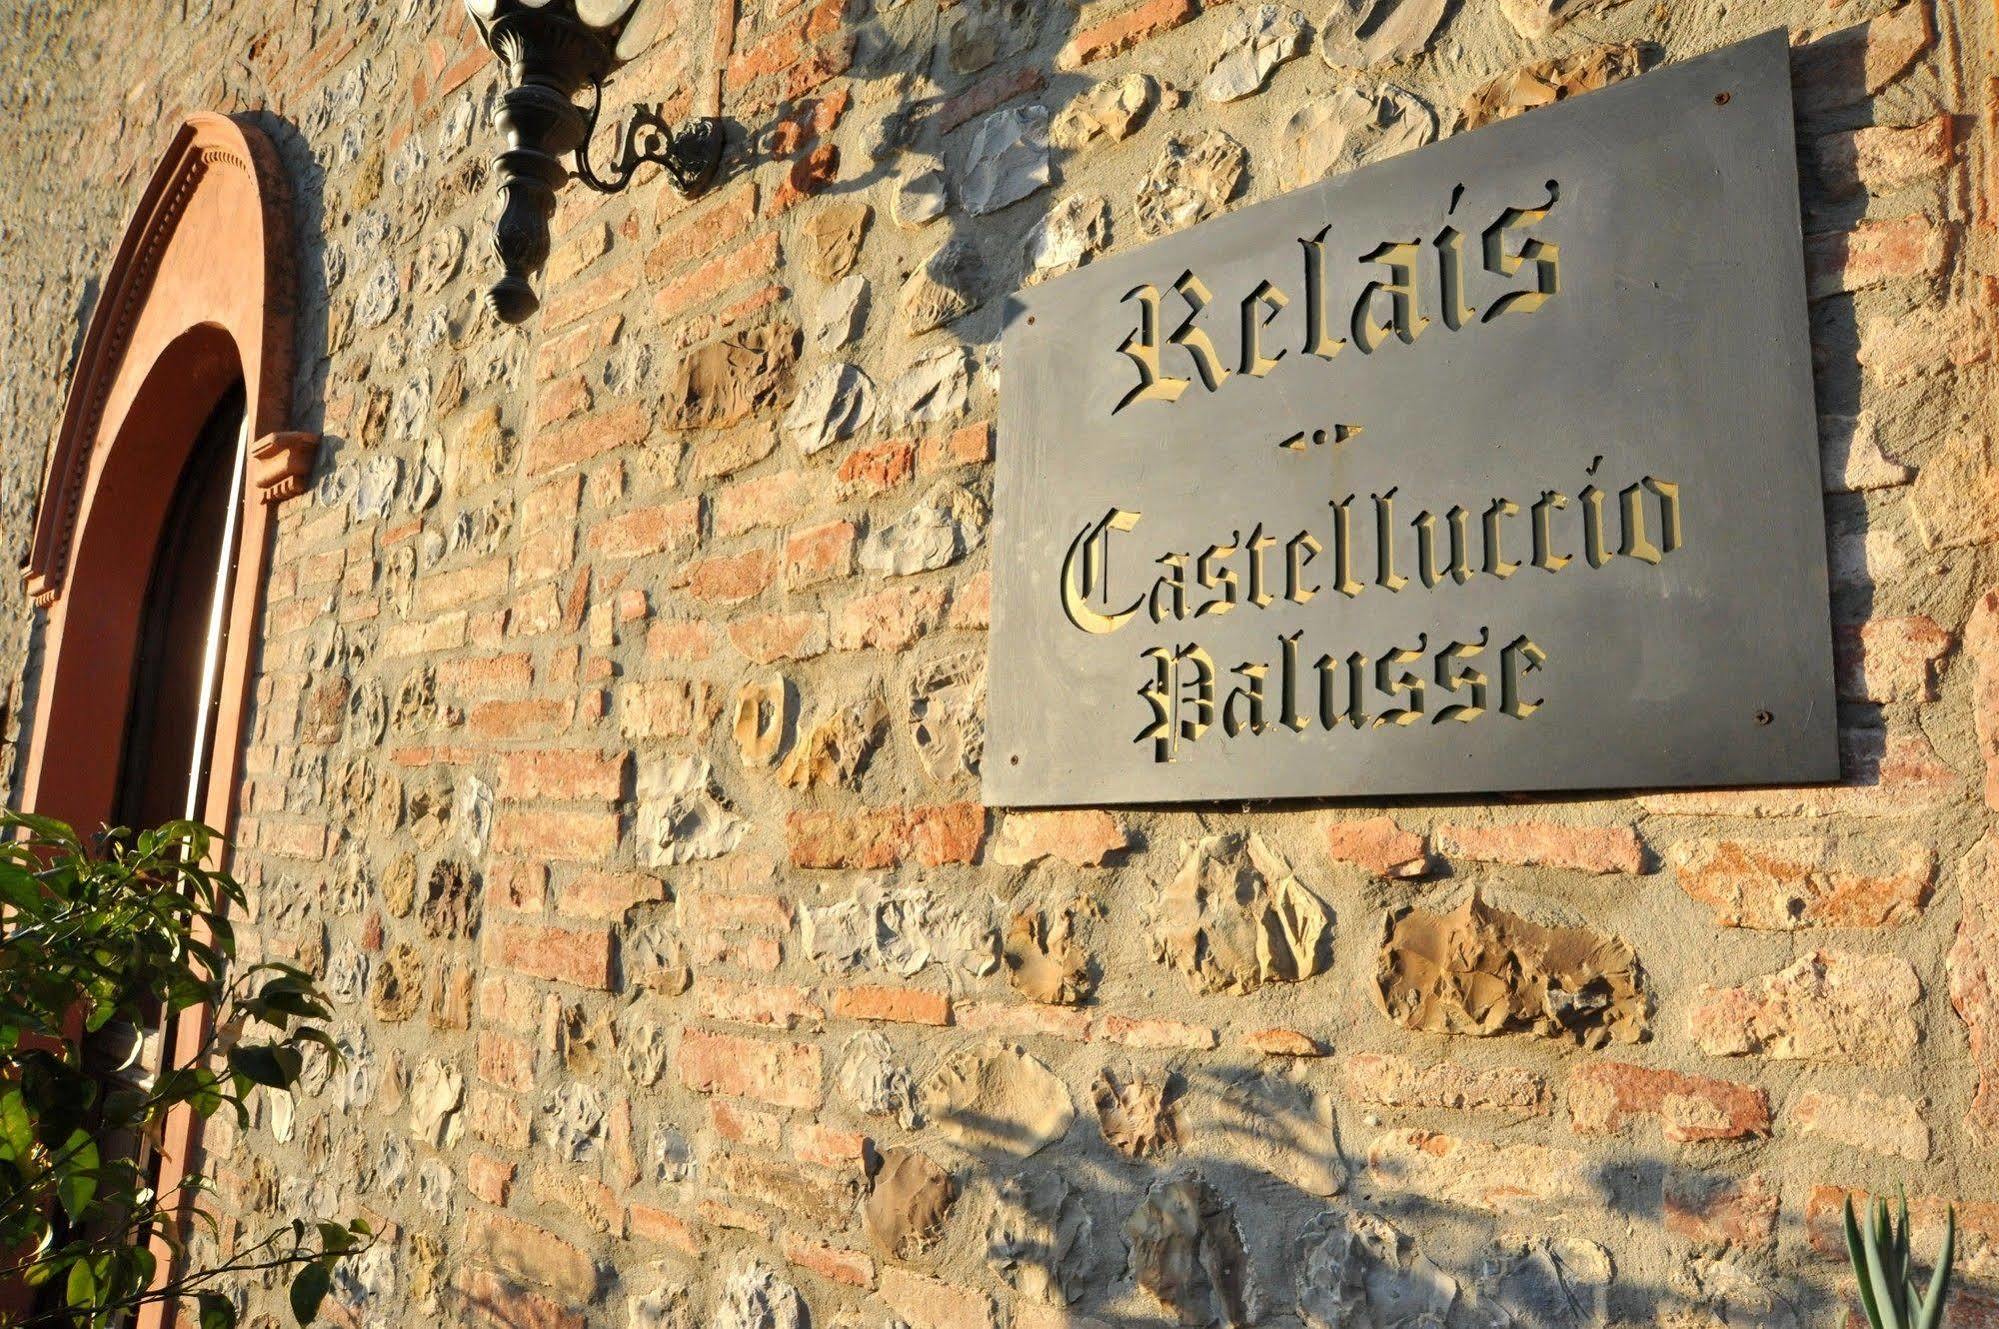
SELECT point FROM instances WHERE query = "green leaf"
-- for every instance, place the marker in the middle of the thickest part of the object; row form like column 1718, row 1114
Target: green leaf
column 335, row 1238
column 78, row 1184
column 81, row 1290
column 1930, row 1316
column 308, row 1290
column 216, row 1311
column 1857, row 1254
column 17, row 1128
column 271, row 1066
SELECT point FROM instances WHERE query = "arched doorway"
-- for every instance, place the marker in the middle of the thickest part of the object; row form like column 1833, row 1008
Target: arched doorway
column 154, row 529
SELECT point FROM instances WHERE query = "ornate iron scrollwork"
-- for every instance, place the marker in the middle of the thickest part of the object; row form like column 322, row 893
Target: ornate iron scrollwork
column 689, row 153
column 551, row 49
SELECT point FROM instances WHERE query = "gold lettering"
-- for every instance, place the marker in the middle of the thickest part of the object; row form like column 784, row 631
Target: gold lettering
column 1520, row 657
column 1192, row 339
column 1401, row 289
column 1389, row 683
column 1177, row 718
column 1259, row 580
column 1384, row 535
column 1170, row 587
column 1251, row 694
column 1450, row 246
column 1214, row 578
column 1595, row 548
column 1318, row 341
column 1545, row 556
column 1545, row 257
column 1301, row 549
column 1086, row 572
column 1453, row 678
column 1496, row 562
column 1259, row 308
column 1142, row 348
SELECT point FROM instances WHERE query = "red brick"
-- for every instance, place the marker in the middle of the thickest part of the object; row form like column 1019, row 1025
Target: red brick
column 1389, row 1081
column 777, row 499
column 560, row 400
column 591, row 436
column 644, row 531
column 506, row 1062
column 534, row 718
column 441, row 591
column 661, row 1228
column 768, row 1005
column 988, row 94
column 497, row 1117
column 781, row 1074
column 1714, row 1211
column 569, row 303
column 1599, row 849
column 563, row 774
column 730, row 579
column 681, row 640
column 1156, row 1035
column 488, row 1178
column 575, row 837
column 932, row 1303
column 1605, row 1095
column 1123, row 31
column 836, row 1264
column 809, row 175
column 769, row 638
column 559, row 954
column 494, row 1303
column 951, row 833
column 755, row 258
column 666, row 708
column 890, row 620
column 1874, row 253
column 819, row 553
column 1890, row 659
column 868, row 471
column 1378, row 845
column 607, row 896
column 1806, row 881
column 970, row 446
column 699, row 231
column 531, row 1254
column 1284, row 1043
column 869, row 840
column 892, row 1005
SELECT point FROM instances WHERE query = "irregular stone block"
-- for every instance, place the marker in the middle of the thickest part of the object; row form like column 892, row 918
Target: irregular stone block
column 682, row 815
column 1806, row 881
column 1546, row 82
column 1196, row 174
column 1255, row 41
column 945, row 287
column 835, row 749
column 911, row 1197
column 1038, row 1240
column 1008, row 160
column 1367, row 34
column 1043, row 961
column 726, row 381
column 1234, row 918
column 1358, row 1271
column 947, row 705
column 1267, row 1121
column 1072, row 232
column 996, row 1100
column 1839, row 1006
column 837, row 402
column 1482, row 971
column 1187, row 1253
column 1109, row 111
column 1138, row 1117
column 832, row 237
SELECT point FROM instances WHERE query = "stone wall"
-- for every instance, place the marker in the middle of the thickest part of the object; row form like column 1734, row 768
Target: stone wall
column 617, row 731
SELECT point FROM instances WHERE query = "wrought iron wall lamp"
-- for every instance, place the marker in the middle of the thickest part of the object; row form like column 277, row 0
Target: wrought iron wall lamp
column 551, row 49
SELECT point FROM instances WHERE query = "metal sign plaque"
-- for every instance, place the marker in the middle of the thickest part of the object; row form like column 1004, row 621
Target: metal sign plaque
column 1490, row 467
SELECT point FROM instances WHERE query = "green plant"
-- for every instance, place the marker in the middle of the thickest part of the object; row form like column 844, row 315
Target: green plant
column 1880, row 1255
column 98, row 945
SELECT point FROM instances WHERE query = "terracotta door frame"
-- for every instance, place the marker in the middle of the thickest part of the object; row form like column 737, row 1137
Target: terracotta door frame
column 202, row 295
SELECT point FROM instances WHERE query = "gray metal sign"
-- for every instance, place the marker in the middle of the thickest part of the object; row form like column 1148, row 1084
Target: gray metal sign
column 1490, row 467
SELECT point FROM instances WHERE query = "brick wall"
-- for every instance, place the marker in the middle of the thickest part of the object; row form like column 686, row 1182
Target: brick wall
column 616, row 731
